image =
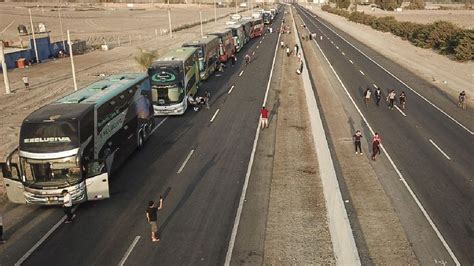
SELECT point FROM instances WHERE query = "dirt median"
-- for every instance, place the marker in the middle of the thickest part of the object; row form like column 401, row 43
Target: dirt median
column 379, row 234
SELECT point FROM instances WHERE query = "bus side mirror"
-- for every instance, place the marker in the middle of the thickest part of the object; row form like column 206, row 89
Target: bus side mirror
column 6, row 172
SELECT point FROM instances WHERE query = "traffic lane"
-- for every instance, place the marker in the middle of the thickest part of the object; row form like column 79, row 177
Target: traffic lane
column 112, row 235
column 423, row 180
column 220, row 161
column 432, row 93
column 421, row 113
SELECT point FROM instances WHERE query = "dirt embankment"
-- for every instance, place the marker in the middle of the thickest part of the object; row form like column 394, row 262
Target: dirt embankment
column 297, row 231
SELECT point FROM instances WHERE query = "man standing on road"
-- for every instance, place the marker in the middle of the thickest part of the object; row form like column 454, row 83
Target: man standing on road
column 67, row 206
column 288, row 52
column 378, row 96
column 152, row 218
column 264, row 117
column 207, row 97
column 375, row 145
column 1, row 228
column 26, row 82
column 232, row 60
column 462, row 100
column 367, row 94
column 357, row 136
column 296, row 49
column 391, row 99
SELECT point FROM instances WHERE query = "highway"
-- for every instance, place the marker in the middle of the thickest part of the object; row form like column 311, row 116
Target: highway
column 198, row 161
column 431, row 143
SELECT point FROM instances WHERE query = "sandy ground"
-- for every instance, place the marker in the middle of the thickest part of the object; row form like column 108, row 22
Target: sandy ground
column 297, row 232
column 448, row 75
column 52, row 80
column 462, row 18
column 379, row 234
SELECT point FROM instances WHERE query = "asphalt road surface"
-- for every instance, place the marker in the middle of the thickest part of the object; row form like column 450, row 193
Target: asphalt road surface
column 200, row 201
column 432, row 144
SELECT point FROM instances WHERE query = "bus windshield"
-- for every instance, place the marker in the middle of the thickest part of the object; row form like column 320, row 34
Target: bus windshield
column 51, row 173
column 167, row 86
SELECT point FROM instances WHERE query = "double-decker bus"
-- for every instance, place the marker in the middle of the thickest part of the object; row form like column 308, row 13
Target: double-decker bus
column 239, row 36
column 174, row 77
column 256, row 28
column 267, row 17
column 208, row 53
column 227, row 46
column 76, row 142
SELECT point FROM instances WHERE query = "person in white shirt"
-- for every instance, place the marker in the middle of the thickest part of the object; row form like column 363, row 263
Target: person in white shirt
column 67, row 206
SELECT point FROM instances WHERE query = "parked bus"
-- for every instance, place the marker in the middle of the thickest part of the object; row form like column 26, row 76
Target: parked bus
column 76, row 142
column 267, row 17
column 247, row 26
column 256, row 29
column 239, row 36
column 174, row 77
column 208, row 53
column 227, row 46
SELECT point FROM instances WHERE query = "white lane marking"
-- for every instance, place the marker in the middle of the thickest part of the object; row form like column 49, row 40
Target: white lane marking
column 242, row 72
column 159, row 124
column 185, row 162
column 253, row 53
column 230, row 247
column 400, row 110
column 351, row 61
column 412, row 194
column 362, row 72
column 343, row 53
column 214, row 116
column 375, row 86
column 42, row 239
column 257, row 46
column 402, row 82
column 231, row 88
column 439, row 149
column 129, row 251
column 260, row 42
column 337, row 47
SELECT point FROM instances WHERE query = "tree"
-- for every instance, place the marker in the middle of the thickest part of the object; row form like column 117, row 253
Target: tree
column 344, row 4
column 144, row 58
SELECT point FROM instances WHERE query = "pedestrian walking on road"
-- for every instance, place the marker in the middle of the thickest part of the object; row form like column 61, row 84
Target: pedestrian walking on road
column 378, row 96
column 67, row 204
column 282, row 44
column 152, row 218
column 264, row 117
column 300, row 68
column 391, row 99
column 288, row 51
column 358, row 147
column 462, row 100
column 403, row 99
column 247, row 59
column 376, row 141
column 1, row 228
column 297, row 48
column 367, row 94
column 207, row 97
column 232, row 60
column 26, row 82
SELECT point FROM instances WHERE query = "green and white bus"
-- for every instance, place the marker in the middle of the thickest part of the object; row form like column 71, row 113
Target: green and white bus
column 208, row 53
column 174, row 77
column 76, row 142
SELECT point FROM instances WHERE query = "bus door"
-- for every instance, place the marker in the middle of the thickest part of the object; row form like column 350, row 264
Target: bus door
column 12, row 179
column 97, row 180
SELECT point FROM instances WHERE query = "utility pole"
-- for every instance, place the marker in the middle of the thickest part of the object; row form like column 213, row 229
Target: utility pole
column 236, row 7
column 200, row 18
column 61, row 27
column 4, row 69
column 215, row 12
column 72, row 60
column 34, row 38
column 169, row 19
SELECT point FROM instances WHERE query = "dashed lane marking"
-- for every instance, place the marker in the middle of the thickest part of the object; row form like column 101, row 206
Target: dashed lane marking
column 129, row 251
column 242, row 72
column 231, row 88
column 351, row 61
column 362, row 72
column 185, row 162
column 214, row 116
column 439, row 149
column 400, row 110
column 375, row 86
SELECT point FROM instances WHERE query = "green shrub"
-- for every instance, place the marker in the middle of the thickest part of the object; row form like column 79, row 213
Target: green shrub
column 463, row 50
column 384, row 24
column 444, row 37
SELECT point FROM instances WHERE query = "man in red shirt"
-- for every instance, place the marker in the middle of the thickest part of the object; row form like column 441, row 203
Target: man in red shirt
column 264, row 117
